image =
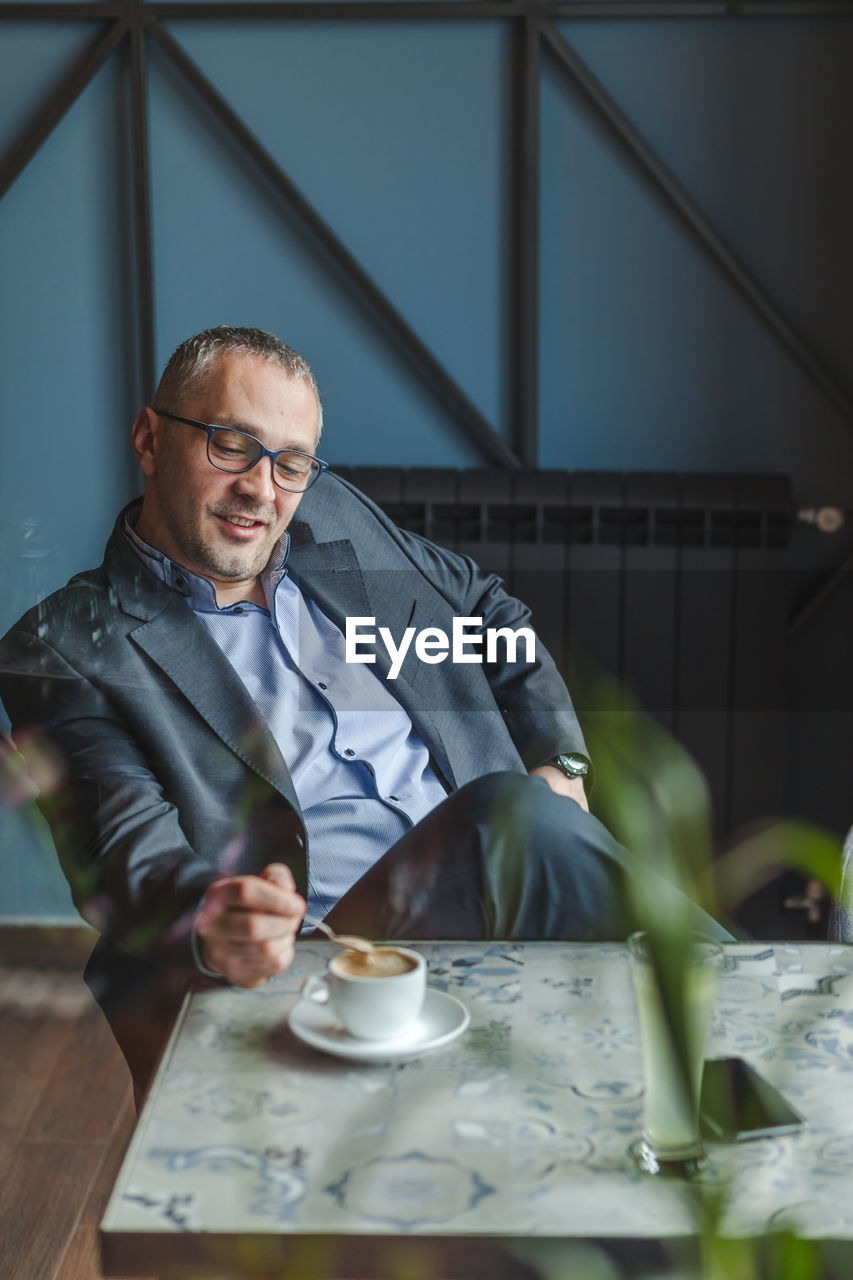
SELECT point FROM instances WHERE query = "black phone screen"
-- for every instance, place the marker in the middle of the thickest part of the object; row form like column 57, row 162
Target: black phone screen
column 738, row 1103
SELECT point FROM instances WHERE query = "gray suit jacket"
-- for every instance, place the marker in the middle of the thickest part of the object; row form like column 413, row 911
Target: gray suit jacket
column 170, row 777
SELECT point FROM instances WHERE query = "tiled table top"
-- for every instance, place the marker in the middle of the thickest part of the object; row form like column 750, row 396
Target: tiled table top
column 521, row 1128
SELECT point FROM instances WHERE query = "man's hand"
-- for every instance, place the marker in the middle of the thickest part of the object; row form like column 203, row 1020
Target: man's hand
column 563, row 785
column 246, row 925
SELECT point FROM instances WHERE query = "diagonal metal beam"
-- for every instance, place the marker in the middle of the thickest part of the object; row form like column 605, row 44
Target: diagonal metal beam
column 692, row 215
column 142, row 209
column 836, row 578
column 42, row 124
column 523, row 359
column 361, row 286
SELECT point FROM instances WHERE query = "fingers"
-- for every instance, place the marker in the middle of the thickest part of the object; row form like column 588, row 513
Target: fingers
column 254, row 893
column 247, row 925
column 279, row 874
column 248, row 965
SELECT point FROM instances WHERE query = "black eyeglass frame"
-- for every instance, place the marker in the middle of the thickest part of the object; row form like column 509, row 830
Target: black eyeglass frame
column 210, row 429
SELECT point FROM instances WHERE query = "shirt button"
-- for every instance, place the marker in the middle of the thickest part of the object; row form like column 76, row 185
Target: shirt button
column 320, row 684
column 349, row 752
column 395, row 798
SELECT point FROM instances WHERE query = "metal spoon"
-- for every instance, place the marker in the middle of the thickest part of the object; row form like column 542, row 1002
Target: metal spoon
column 348, row 940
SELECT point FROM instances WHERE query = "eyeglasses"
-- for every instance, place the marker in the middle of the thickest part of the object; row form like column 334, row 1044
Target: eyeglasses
column 236, row 451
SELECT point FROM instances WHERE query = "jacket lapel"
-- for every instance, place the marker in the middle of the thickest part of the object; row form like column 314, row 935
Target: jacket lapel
column 183, row 649
column 330, row 573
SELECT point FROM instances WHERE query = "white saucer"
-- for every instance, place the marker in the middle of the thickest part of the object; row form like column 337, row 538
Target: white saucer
column 442, row 1019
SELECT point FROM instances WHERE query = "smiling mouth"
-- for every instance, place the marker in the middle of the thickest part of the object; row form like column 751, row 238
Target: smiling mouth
column 243, row 524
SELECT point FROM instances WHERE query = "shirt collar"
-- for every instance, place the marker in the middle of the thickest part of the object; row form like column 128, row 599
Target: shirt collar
column 200, row 591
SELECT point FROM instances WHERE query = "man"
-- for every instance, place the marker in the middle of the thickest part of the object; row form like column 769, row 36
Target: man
column 222, row 760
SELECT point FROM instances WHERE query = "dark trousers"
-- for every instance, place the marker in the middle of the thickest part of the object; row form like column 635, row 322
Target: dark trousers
column 501, row 858
column 504, row 857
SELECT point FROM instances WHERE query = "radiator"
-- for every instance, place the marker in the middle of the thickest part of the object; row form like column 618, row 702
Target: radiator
column 676, row 584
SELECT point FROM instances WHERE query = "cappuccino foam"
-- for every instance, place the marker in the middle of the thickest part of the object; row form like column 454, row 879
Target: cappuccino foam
column 382, row 962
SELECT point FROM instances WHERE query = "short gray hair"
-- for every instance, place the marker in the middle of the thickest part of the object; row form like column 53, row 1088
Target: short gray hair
column 188, row 368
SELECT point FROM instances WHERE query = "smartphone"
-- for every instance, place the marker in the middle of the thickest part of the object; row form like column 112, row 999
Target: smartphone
column 737, row 1103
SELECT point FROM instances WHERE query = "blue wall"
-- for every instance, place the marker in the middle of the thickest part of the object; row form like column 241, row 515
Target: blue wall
column 397, row 133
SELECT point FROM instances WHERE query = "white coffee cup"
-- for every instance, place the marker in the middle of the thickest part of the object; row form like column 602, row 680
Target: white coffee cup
column 372, row 1005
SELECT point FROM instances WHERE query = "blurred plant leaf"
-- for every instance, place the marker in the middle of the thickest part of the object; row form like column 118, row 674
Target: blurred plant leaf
column 780, row 846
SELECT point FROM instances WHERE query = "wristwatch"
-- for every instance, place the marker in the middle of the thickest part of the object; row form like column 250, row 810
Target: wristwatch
column 573, row 765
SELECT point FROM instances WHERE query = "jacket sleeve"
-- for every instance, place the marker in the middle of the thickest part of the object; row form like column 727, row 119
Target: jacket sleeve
column 532, row 697
column 132, row 872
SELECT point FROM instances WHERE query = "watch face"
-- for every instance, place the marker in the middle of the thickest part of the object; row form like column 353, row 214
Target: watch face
column 575, row 765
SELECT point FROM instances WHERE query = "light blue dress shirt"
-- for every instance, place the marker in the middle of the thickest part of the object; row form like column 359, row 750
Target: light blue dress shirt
column 361, row 772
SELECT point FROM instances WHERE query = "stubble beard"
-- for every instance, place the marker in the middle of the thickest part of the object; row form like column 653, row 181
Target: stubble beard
column 223, row 564
column 213, row 559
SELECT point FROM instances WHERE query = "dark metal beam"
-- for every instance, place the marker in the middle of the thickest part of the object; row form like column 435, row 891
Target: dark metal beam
column 523, row 362
column 692, row 215
column 348, row 271
column 698, row 8
column 42, row 124
column 318, row 10
column 142, row 210
column 14, row 11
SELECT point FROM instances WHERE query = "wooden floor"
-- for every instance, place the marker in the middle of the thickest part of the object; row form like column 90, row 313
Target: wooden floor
column 66, row 1114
